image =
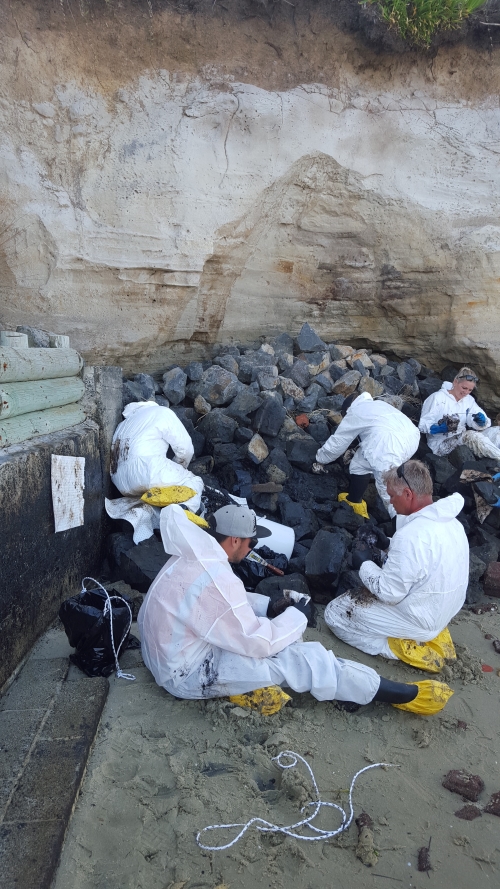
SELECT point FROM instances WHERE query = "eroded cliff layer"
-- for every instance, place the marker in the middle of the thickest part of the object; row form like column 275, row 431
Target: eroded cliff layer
column 176, row 176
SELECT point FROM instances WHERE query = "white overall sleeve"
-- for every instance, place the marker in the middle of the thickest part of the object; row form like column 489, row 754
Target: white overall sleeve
column 175, row 435
column 392, row 583
column 239, row 630
column 258, row 603
column 338, row 443
column 432, row 410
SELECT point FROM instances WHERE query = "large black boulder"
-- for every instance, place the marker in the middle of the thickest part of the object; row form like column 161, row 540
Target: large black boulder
column 138, row 564
column 225, row 453
column 308, row 340
column 310, row 489
column 428, row 386
column 461, row 456
column 301, row 452
column 278, row 469
column 442, row 469
column 319, row 430
column 217, row 426
column 245, row 403
column 343, row 516
column 132, row 391
column 298, row 517
column 299, row 373
column 147, row 384
column 252, row 363
column 218, row 386
column 324, row 562
column 269, row 418
column 270, row 585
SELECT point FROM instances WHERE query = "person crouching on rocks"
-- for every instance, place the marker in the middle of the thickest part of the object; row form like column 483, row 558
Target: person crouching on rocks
column 139, row 452
column 204, row 636
column 409, row 602
column 388, row 438
column 451, row 417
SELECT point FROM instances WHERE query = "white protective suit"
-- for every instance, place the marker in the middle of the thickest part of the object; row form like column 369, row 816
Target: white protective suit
column 420, row 588
column 388, row 438
column 204, row 636
column 484, row 441
column 139, row 452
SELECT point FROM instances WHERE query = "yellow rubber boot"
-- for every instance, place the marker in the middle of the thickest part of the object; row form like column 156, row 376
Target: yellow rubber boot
column 359, row 508
column 266, row 701
column 430, row 656
column 431, row 698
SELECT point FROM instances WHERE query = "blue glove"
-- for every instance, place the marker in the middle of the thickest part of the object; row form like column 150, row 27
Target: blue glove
column 496, row 477
column 479, row 419
column 438, row 428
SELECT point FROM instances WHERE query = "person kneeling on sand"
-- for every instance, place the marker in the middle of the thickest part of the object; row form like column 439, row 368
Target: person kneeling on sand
column 204, row 636
column 422, row 584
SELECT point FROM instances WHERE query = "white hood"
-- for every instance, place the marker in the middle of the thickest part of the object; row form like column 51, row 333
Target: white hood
column 444, row 510
column 131, row 408
column 183, row 538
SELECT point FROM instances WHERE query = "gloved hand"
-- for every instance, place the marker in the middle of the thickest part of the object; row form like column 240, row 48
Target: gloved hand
column 304, row 607
column 383, row 541
column 479, row 419
column 277, row 606
column 495, row 477
column 317, row 468
column 438, row 428
column 359, row 556
column 280, row 601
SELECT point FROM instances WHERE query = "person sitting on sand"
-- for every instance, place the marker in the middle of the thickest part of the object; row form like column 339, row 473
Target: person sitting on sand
column 387, row 437
column 451, row 417
column 422, row 584
column 204, row 636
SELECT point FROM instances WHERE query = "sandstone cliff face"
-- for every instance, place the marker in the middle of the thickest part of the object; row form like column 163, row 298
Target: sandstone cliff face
column 176, row 179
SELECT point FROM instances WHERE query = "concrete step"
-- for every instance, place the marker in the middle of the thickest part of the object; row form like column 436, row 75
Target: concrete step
column 48, row 721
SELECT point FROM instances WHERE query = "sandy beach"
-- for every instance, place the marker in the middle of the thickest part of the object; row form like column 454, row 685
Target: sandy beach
column 163, row 769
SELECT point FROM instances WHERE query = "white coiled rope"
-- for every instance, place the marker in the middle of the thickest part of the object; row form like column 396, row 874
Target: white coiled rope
column 291, row 829
column 108, row 609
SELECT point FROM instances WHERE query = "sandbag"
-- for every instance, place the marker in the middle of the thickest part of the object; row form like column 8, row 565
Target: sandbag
column 167, row 495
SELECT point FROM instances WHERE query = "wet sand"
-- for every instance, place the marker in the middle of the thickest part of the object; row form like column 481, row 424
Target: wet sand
column 162, row 769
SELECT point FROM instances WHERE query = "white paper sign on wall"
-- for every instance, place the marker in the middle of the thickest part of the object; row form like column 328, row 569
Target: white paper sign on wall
column 68, row 482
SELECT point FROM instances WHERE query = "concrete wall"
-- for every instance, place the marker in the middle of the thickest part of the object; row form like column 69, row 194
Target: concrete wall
column 39, row 567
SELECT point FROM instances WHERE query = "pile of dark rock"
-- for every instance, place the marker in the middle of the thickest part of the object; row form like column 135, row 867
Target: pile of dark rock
column 241, row 410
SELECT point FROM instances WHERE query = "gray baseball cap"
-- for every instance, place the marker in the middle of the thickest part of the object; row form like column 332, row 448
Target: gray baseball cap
column 238, row 521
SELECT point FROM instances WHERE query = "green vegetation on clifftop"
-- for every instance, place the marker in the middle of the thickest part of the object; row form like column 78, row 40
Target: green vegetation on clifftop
column 418, row 20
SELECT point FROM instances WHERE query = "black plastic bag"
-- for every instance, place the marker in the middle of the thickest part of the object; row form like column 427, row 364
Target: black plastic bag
column 86, row 620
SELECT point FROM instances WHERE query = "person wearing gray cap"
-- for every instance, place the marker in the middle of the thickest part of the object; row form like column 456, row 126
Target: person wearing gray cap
column 204, row 636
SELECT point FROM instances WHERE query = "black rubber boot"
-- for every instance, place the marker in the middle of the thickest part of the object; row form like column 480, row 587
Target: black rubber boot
column 395, row 692
column 357, row 487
